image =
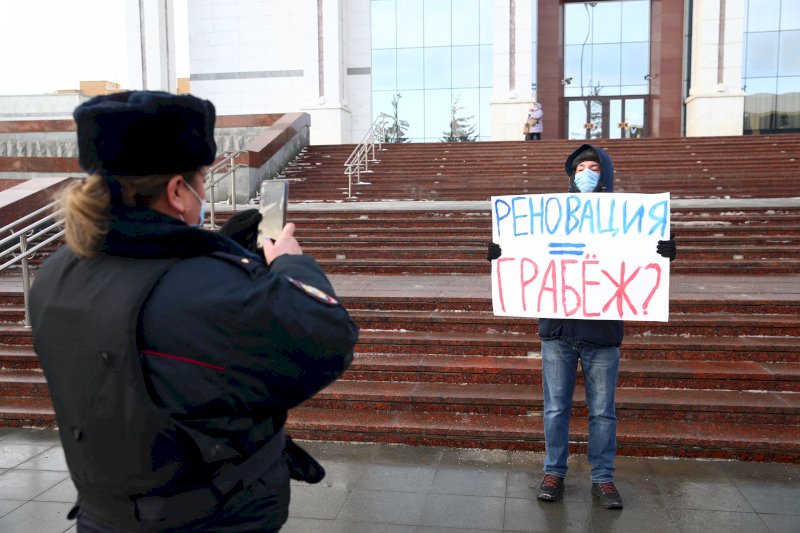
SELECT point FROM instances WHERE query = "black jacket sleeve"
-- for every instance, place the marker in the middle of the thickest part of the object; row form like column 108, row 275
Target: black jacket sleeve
column 241, row 338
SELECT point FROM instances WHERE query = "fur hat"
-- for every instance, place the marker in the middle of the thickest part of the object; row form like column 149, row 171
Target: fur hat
column 140, row 133
column 588, row 154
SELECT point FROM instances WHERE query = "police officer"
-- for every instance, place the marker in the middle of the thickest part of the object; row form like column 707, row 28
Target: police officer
column 172, row 354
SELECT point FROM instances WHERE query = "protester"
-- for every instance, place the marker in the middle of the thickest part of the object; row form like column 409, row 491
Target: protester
column 533, row 124
column 596, row 343
column 172, row 354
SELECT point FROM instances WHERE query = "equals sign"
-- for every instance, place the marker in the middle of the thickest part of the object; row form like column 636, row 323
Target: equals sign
column 566, row 248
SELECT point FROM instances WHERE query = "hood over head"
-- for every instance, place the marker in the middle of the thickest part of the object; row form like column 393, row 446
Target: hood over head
column 588, row 152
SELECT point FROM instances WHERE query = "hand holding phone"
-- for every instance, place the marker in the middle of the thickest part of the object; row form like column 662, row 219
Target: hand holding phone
column 274, row 197
column 284, row 244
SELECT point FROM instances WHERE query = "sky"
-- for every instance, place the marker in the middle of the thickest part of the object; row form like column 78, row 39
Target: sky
column 47, row 45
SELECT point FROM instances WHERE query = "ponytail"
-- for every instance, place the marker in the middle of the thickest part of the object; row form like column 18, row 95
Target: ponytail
column 86, row 204
column 86, row 217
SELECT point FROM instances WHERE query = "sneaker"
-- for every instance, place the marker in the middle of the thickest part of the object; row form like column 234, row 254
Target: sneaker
column 607, row 494
column 551, row 488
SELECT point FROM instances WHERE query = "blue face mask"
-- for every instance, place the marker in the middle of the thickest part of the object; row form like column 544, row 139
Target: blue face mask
column 202, row 208
column 586, row 180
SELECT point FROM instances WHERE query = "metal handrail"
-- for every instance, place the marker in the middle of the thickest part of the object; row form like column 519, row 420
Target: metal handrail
column 226, row 156
column 17, row 246
column 20, row 251
column 227, row 162
column 364, row 152
column 211, row 187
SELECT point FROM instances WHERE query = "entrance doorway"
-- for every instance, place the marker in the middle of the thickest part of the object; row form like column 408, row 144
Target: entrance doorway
column 607, row 75
column 606, row 117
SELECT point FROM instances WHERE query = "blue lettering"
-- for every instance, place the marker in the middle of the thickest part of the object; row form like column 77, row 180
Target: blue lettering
column 573, row 204
column 659, row 218
column 638, row 215
column 515, row 216
column 499, row 218
column 610, row 229
column 536, row 215
column 588, row 215
column 552, row 228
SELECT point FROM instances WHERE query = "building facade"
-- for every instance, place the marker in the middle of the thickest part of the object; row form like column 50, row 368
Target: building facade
column 602, row 69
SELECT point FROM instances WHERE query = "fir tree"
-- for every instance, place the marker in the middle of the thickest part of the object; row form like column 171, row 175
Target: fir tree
column 396, row 132
column 460, row 128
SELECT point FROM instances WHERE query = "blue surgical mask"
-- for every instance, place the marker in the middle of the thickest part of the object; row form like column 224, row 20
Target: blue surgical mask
column 202, row 208
column 586, row 180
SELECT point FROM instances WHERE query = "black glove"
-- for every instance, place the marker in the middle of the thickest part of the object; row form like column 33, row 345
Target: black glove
column 668, row 248
column 493, row 252
column 302, row 466
column 242, row 227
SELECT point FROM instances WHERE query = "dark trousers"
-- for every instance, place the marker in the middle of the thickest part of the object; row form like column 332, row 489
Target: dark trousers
column 533, row 136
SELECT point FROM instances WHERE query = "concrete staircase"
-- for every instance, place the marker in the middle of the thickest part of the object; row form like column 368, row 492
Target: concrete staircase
column 712, row 239
column 435, row 366
column 704, row 167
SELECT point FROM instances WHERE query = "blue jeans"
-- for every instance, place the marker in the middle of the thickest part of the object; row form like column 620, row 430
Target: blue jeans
column 600, row 366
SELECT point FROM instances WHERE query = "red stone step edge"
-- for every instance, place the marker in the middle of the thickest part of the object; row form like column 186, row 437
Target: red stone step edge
column 751, row 442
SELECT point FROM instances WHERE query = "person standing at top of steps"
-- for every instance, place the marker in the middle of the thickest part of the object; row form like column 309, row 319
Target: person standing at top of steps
column 172, row 353
column 596, row 343
column 533, row 124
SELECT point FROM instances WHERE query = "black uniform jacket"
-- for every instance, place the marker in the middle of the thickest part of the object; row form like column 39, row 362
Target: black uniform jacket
column 599, row 332
column 225, row 346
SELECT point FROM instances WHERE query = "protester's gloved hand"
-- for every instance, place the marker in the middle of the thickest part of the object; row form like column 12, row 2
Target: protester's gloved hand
column 242, row 227
column 494, row 251
column 667, row 248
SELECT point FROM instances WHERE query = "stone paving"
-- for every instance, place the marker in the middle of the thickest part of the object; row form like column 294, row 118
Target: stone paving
column 374, row 488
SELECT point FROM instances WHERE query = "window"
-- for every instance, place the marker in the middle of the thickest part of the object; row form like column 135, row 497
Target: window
column 772, row 67
column 434, row 54
column 607, row 48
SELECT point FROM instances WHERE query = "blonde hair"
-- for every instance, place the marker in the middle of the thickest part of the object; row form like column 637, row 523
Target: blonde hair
column 87, row 203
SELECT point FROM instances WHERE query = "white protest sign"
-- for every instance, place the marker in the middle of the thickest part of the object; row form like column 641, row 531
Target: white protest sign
column 587, row 256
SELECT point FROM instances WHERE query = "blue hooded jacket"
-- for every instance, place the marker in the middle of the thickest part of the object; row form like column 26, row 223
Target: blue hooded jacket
column 599, row 332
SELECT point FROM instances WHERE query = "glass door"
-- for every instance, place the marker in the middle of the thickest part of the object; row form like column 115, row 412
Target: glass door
column 606, row 117
column 606, row 68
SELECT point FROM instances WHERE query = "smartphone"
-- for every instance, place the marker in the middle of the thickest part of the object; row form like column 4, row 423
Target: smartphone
column 274, row 197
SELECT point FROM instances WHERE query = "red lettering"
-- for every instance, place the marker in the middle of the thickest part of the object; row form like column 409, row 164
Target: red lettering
column 620, row 294
column 551, row 270
column 585, row 283
column 525, row 282
column 500, row 281
column 657, row 268
column 565, row 288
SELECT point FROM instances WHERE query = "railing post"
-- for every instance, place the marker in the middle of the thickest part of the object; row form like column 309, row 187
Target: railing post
column 26, row 279
column 233, row 182
column 213, row 203
column 349, row 182
column 365, row 150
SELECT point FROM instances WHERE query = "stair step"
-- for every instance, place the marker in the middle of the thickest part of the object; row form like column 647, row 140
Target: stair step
column 651, row 347
column 23, row 382
column 28, row 412
column 21, row 356
column 480, row 266
column 750, row 442
column 639, row 403
column 717, row 324
column 713, row 375
column 684, row 305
